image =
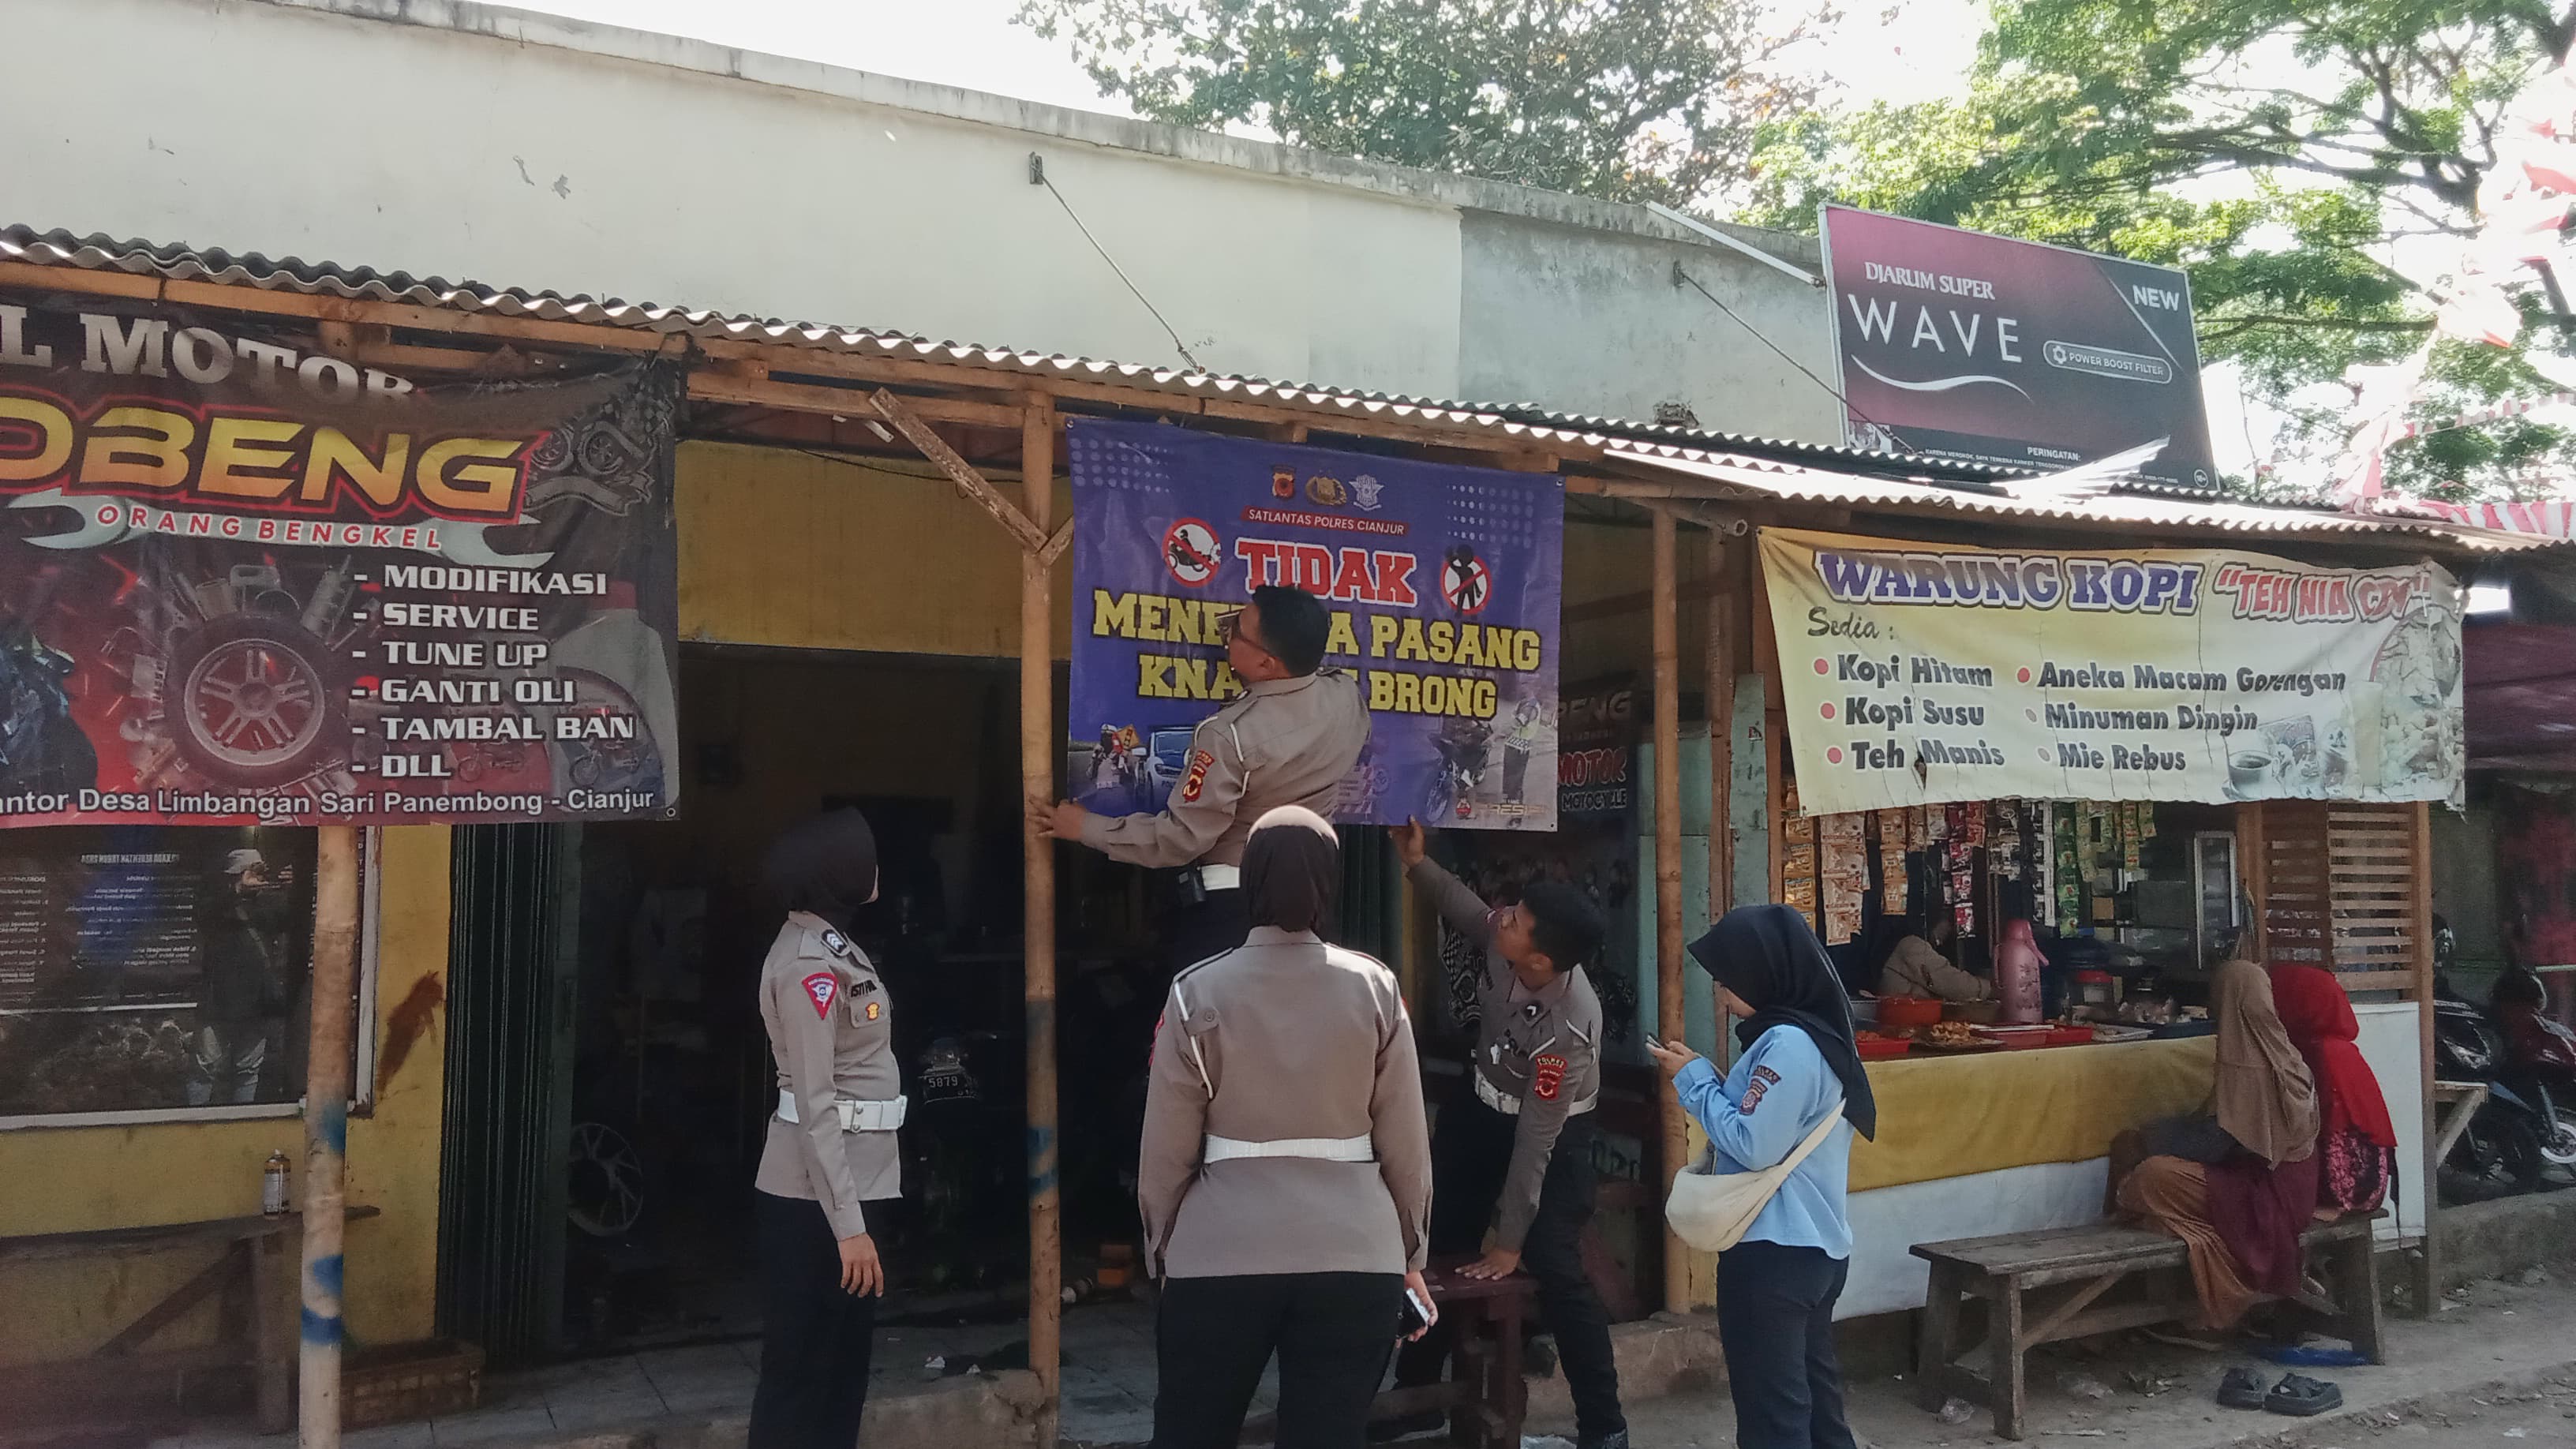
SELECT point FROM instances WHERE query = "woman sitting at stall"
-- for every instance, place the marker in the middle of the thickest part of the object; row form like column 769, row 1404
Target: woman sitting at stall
column 2238, row 1186
column 2356, row 1142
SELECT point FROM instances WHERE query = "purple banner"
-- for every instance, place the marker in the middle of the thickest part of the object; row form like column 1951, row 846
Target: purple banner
column 1443, row 583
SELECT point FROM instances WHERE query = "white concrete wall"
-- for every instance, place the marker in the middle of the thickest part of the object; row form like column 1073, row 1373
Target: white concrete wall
column 1594, row 322
column 466, row 141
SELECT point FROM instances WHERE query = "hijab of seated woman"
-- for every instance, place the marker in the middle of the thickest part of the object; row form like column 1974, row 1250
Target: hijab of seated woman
column 2356, row 1140
column 2240, row 1216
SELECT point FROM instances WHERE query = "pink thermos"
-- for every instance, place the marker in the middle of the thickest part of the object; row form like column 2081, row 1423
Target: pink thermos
column 2017, row 963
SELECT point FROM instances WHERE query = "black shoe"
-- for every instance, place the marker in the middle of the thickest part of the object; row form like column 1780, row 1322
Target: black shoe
column 1405, row 1426
column 1618, row 1440
column 2302, row 1397
column 2241, row 1389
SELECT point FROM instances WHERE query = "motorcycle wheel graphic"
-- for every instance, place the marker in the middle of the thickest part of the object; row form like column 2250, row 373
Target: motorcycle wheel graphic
column 249, row 704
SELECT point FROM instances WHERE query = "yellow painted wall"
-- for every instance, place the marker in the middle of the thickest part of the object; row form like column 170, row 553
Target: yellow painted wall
column 797, row 551
column 70, row 1179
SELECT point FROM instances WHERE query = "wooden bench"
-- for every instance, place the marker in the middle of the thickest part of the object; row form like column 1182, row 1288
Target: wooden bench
column 251, row 1281
column 2087, row 1262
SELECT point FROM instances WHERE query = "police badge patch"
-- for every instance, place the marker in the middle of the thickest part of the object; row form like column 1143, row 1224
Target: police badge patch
column 1547, row 1076
column 822, row 986
column 1197, row 778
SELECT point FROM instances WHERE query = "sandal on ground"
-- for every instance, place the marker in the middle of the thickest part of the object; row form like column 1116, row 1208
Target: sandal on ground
column 2302, row 1397
column 2241, row 1389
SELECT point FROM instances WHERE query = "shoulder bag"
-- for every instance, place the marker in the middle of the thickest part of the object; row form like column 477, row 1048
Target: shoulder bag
column 1711, row 1210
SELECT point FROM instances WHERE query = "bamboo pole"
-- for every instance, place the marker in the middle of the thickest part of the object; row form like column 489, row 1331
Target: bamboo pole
column 2428, row 1277
column 1038, row 737
column 1720, row 691
column 326, row 1131
column 1668, row 869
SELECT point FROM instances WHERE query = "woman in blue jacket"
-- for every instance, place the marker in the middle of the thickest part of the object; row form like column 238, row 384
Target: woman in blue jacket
column 1776, row 1289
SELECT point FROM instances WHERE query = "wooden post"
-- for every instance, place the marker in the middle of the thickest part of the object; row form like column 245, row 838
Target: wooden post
column 1668, row 869
column 326, row 1130
column 2427, row 1285
column 1040, row 743
column 1720, row 691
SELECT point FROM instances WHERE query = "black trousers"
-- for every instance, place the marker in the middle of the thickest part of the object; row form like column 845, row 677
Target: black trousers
column 1775, row 1319
column 1192, row 933
column 1471, row 1153
column 815, row 1339
column 1214, row 1336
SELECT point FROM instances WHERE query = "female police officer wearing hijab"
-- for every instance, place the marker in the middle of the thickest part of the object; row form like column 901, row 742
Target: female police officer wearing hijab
column 1776, row 1288
column 831, row 1146
column 1286, row 1176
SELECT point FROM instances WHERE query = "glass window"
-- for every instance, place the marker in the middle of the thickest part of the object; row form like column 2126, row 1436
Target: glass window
column 153, row 969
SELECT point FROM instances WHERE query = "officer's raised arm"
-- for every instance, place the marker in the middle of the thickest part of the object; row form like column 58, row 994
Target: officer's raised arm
column 1450, row 897
column 1203, row 806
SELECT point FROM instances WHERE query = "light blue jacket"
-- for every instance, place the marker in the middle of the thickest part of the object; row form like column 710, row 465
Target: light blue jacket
column 1776, row 1095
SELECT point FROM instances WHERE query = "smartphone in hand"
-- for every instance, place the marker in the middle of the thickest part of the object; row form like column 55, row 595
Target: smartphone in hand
column 1417, row 1315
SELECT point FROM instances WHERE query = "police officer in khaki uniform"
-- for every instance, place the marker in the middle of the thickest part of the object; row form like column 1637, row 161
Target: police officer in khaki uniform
column 1291, row 740
column 832, row 1147
column 1285, row 1180
column 1519, row 1154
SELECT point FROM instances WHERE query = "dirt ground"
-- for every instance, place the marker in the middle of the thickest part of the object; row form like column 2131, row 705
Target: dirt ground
column 2497, row 1366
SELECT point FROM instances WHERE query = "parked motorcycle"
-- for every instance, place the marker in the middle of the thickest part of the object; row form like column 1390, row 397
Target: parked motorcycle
column 2520, row 1135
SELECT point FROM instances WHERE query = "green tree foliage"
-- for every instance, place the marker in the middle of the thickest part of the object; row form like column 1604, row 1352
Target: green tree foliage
column 2286, row 151
column 1631, row 100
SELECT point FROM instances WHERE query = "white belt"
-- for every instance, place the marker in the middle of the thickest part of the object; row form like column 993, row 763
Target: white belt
column 1493, row 1097
column 855, row 1116
column 1322, row 1149
column 1217, row 877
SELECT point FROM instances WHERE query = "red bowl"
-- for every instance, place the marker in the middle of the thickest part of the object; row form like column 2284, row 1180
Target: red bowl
column 1894, row 1011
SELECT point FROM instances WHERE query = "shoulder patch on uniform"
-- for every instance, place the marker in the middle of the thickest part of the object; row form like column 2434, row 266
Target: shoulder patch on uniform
column 1196, row 780
column 836, row 943
column 822, row 986
column 1547, row 1076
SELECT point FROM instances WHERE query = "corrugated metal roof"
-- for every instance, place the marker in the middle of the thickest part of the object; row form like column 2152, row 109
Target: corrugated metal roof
column 293, row 274
column 1777, row 468
column 1753, row 477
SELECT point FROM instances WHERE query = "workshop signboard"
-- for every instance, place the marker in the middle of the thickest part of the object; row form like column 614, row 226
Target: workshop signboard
column 1917, row 673
column 1443, row 584
column 243, row 580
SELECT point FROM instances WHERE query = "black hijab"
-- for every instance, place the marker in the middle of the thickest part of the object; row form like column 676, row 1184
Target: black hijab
column 826, row 865
column 1292, row 870
column 1768, row 956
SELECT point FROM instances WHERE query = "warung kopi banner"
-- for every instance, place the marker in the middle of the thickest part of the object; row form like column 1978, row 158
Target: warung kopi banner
column 1917, row 673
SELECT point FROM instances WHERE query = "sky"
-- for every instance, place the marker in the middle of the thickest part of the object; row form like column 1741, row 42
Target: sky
column 973, row 44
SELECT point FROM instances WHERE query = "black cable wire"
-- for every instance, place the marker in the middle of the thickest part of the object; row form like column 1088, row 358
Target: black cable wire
column 1177, row 345
column 1738, row 320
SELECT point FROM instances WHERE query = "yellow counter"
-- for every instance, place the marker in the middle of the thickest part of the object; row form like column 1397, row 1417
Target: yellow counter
column 1949, row 1116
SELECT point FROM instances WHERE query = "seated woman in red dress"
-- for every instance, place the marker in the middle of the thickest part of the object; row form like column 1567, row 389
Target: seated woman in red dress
column 2356, row 1142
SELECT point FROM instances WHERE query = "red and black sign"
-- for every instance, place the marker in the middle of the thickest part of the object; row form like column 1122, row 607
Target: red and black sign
column 1596, row 749
column 241, row 579
column 1957, row 344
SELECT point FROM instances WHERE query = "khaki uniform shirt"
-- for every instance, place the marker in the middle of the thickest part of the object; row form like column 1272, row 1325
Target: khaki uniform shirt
column 1286, row 742
column 1541, row 1048
column 1916, row 968
column 832, row 1030
column 1282, row 1038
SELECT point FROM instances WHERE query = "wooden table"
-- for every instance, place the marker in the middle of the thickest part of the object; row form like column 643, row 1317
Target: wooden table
column 251, row 1278
column 2087, row 1262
